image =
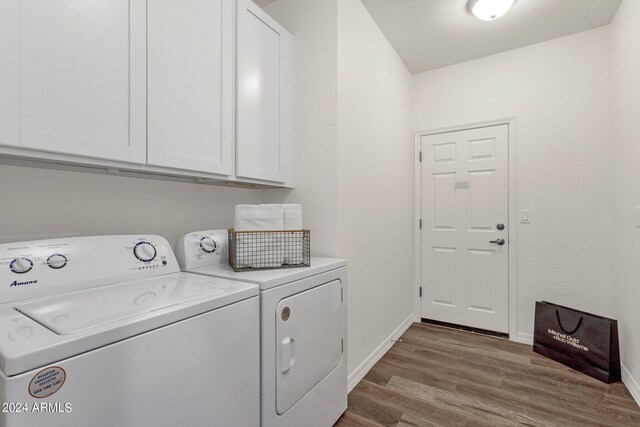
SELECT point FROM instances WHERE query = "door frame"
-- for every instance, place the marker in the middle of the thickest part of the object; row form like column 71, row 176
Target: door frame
column 511, row 122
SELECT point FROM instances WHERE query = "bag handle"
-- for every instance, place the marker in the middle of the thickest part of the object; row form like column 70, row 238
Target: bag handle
column 561, row 327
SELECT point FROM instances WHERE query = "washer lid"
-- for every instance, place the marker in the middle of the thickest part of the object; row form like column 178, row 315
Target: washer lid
column 40, row 331
column 71, row 313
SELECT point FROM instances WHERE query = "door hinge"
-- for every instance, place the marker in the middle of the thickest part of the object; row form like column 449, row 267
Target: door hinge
column 342, row 345
column 341, row 295
column 420, row 291
column 420, row 156
column 420, row 223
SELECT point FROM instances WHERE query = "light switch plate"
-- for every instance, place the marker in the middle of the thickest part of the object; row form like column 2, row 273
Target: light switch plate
column 525, row 216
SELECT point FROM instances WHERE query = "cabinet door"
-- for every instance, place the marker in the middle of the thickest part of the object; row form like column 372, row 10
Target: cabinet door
column 9, row 72
column 264, row 80
column 190, row 84
column 75, row 77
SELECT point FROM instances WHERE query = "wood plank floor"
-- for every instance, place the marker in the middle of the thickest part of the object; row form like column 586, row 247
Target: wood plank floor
column 445, row 377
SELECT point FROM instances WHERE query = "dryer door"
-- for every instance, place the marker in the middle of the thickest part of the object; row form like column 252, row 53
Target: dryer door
column 308, row 341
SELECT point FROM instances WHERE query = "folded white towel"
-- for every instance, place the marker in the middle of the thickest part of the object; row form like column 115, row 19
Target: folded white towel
column 259, row 218
column 292, row 217
column 258, row 250
column 293, row 242
column 254, row 249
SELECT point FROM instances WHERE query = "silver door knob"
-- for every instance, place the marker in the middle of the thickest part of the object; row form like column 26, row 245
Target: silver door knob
column 500, row 241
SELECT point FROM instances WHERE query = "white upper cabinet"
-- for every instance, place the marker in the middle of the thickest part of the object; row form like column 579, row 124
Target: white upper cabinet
column 190, row 84
column 73, row 77
column 9, row 73
column 264, row 101
column 191, row 88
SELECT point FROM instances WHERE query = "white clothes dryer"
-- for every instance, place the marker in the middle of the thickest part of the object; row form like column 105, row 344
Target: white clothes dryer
column 303, row 324
column 106, row 331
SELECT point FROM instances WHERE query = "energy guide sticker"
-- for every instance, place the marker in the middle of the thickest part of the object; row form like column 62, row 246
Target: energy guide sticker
column 47, row 382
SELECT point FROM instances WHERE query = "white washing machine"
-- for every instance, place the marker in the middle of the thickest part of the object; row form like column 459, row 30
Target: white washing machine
column 106, row 331
column 303, row 323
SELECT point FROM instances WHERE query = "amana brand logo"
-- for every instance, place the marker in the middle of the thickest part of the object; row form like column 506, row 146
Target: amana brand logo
column 16, row 283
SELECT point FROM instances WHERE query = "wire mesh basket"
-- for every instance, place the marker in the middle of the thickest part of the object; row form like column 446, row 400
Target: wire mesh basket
column 264, row 250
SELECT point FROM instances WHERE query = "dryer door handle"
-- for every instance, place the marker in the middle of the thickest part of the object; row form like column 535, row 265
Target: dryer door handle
column 287, row 354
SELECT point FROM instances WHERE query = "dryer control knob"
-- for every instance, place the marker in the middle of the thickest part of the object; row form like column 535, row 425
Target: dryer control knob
column 144, row 251
column 208, row 245
column 57, row 261
column 21, row 265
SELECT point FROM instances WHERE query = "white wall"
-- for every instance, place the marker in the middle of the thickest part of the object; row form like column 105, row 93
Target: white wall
column 314, row 25
column 353, row 160
column 41, row 203
column 625, row 55
column 559, row 90
column 375, row 181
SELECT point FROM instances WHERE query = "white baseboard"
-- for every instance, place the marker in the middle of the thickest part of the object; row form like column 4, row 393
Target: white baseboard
column 631, row 383
column 524, row 338
column 364, row 367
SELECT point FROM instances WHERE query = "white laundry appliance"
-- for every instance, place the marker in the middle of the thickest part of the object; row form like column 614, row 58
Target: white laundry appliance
column 106, row 331
column 303, row 324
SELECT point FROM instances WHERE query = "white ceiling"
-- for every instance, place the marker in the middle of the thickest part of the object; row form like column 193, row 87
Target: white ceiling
column 430, row 34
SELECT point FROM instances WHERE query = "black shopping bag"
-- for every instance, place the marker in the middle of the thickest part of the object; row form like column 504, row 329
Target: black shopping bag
column 580, row 340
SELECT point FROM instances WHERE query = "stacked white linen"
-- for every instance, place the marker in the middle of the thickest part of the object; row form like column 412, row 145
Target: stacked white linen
column 269, row 250
column 293, row 242
column 259, row 250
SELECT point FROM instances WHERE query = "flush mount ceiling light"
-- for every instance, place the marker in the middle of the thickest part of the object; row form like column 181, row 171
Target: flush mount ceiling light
column 488, row 10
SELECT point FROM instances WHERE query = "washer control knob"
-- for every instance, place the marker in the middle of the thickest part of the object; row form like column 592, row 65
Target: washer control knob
column 57, row 261
column 144, row 251
column 208, row 245
column 21, row 265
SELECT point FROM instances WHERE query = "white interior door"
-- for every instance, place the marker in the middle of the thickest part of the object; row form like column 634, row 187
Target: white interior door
column 465, row 228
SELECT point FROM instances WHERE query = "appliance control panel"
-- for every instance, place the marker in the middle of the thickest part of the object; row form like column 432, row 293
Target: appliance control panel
column 202, row 249
column 44, row 267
